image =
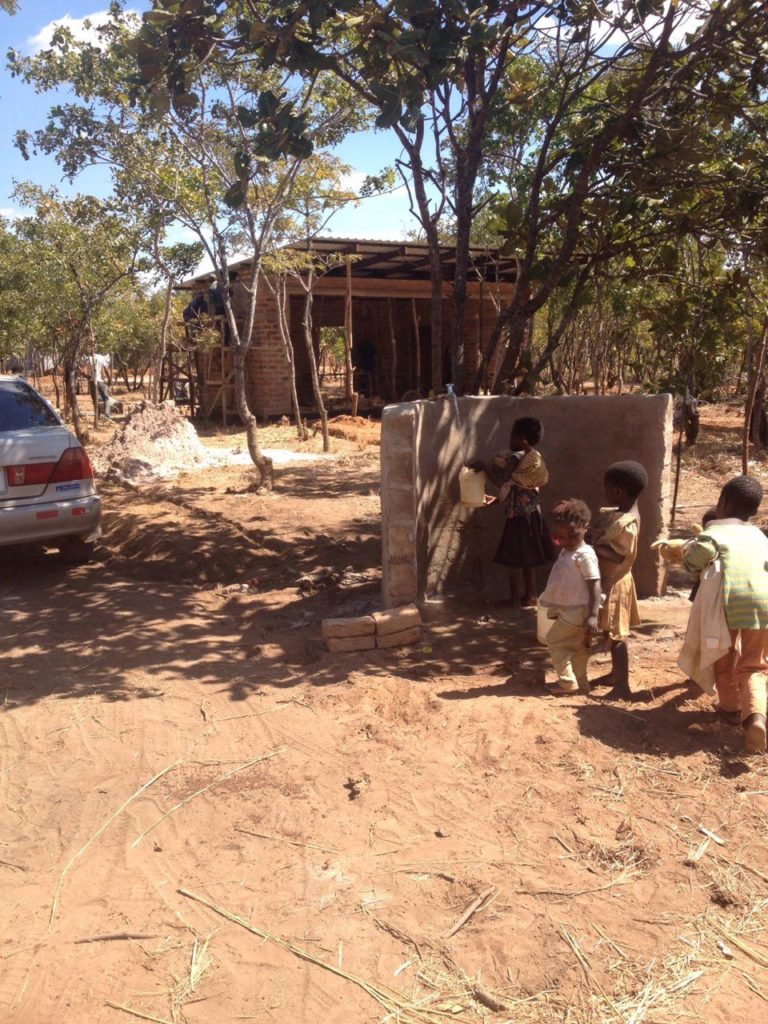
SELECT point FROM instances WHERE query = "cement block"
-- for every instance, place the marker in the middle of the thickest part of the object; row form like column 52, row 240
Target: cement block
column 399, row 639
column 338, row 645
column 398, row 423
column 399, row 469
column 401, row 581
column 399, row 503
column 400, row 539
column 362, row 625
column 396, row 620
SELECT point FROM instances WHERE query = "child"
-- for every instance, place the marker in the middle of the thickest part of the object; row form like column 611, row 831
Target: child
column 743, row 551
column 519, row 473
column 706, row 519
column 615, row 537
column 572, row 597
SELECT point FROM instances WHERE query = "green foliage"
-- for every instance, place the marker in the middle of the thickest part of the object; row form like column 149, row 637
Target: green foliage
column 588, row 131
column 64, row 258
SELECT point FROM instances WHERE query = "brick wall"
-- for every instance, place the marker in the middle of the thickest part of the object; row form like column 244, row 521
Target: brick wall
column 374, row 322
column 267, row 373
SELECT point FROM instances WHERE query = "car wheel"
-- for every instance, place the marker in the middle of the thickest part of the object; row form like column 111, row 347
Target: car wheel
column 76, row 551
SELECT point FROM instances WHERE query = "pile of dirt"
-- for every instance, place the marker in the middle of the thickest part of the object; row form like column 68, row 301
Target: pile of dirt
column 355, row 428
column 154, row 443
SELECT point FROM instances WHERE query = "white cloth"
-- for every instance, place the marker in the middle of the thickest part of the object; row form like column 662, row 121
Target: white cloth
column 100, row 365
column 707, row 638
column 567, row 594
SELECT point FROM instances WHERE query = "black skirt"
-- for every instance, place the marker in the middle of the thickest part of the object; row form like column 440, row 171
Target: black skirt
column 525, row 542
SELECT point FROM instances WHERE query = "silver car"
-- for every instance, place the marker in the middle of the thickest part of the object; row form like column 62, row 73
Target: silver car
column 47, row 493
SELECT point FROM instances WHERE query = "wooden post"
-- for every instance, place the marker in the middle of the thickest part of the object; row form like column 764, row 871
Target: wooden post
column 392, row 350
column 417, row 347
column 677, row 476
column 349, row 379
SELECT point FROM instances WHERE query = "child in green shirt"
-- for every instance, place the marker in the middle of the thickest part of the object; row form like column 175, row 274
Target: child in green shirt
column 743, row 552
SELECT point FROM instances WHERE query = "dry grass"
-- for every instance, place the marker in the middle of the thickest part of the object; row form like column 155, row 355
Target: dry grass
column 200, row 963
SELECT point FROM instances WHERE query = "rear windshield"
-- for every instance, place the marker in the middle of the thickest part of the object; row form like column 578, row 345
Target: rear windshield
column 21, row 407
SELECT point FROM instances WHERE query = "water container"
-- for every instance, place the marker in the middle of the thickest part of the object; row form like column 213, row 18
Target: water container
column 543, row 624
column 472, row 487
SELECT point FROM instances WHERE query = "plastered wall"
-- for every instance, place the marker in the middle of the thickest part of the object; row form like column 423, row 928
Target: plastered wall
column 427, row 533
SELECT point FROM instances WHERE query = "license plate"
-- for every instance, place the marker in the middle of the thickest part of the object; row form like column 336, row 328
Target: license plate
column 3, row 485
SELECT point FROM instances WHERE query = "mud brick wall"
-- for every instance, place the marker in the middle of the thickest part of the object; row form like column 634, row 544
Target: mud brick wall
column 426, row 532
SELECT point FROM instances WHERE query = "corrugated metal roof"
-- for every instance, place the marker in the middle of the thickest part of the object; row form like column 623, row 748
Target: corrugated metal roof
column 395, row 260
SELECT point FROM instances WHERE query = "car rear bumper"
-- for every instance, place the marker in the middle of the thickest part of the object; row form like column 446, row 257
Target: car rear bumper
column 45, row 523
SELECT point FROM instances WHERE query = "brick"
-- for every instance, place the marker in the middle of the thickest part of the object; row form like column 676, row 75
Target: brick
column 397, row 619
column 399, row 639
column 362, row 625
column 338, row 645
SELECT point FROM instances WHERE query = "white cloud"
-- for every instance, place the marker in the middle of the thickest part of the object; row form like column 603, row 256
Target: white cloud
column 84, row 28
column 352, row 182
column 9, row 213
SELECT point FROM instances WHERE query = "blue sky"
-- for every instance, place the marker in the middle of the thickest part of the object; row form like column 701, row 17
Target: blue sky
column 20, row 107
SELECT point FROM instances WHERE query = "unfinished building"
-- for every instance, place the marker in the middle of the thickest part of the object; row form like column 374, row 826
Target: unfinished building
column 380, row 293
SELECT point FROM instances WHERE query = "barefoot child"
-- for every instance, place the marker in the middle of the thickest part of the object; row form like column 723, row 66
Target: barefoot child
column 615, row 536
column 519, row 472
column 743, row 552
column 572, row 597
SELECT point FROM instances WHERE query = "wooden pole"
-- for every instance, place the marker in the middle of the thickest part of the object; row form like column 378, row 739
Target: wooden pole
column 349, row 379
column 751, row 398
column 393, row 350
column 416, row 347
column 677, row 475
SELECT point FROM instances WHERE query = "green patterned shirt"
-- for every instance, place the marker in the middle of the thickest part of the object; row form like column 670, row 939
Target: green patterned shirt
column 743, row 550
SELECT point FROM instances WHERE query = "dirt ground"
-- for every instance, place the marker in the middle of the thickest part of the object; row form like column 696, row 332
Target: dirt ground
column 206, row 817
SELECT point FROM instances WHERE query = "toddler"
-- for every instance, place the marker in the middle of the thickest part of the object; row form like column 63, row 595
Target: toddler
column 572, row 597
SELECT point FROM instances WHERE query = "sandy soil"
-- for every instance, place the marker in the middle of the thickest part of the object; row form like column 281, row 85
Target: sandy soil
column 173, row 731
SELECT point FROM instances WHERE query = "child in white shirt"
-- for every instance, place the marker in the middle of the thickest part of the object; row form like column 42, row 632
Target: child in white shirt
column 572, row 597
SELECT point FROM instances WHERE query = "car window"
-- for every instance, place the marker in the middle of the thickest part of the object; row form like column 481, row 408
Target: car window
column 21, row 407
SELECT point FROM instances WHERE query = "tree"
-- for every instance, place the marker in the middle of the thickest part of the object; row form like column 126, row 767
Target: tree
column 223, row 160
column 77, row 251
column 439, row 73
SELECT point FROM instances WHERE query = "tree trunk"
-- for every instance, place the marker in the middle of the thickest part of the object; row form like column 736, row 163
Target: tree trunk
column 285, row 337
column 756, row 374
column 459, row 305
column 74, row 408
column 416, row 349
column 316, row 389
column 349, row 370
column 262, row 463
column 509, row 364
column 163, row 338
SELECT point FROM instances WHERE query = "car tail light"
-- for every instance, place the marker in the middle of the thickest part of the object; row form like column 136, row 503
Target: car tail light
column 35, row 473
column 74, row 464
